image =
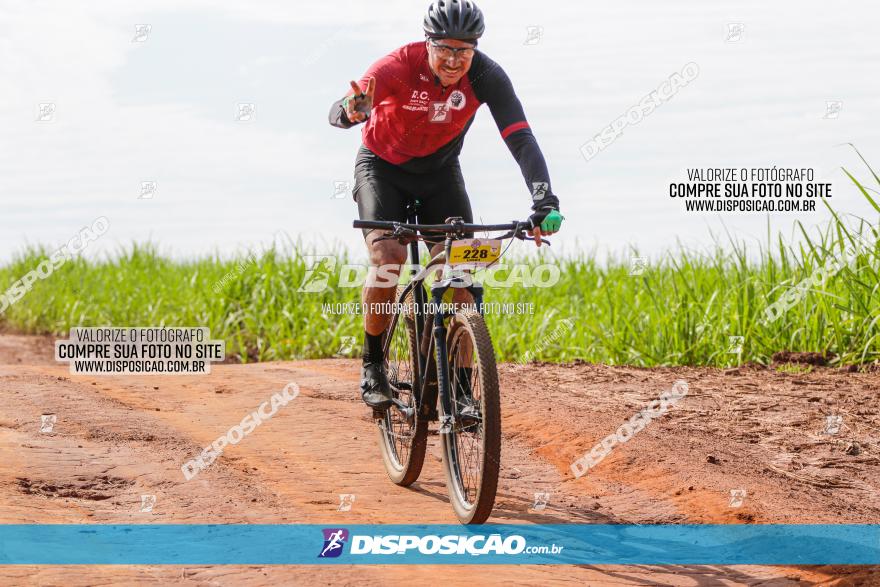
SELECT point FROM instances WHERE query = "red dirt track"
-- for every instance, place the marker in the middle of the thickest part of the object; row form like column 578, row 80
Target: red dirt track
column 117, row 438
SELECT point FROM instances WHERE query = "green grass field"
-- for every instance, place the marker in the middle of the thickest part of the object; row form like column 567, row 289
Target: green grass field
column 682, row 310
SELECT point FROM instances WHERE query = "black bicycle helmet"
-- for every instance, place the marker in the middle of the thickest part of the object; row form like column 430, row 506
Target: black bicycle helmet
column 454, row 19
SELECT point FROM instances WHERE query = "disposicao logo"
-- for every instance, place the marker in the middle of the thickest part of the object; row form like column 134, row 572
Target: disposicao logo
column 474, row 545
column 334, row 540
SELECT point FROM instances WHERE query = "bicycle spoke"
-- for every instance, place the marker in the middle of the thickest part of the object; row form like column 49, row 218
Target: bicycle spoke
column 397, row 428
column 467, row 438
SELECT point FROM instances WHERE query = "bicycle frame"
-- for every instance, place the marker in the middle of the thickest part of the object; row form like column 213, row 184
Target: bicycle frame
column 433, row 363
column 425, row 392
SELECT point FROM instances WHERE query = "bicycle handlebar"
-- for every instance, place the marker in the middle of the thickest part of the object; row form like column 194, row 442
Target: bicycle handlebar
column 405, row 232
column 392, row 225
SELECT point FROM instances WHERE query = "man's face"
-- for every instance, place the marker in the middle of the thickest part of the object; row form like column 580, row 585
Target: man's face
column 449, row 66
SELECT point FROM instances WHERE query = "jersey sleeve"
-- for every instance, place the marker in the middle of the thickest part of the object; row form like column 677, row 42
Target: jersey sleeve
column 494, row 88
column 390, row 73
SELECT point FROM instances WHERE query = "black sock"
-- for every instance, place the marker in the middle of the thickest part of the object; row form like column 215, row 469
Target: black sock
column 373, row 348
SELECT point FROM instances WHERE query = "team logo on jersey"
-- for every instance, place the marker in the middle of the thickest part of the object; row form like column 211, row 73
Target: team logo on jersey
column 440, row 112
column 456, row 100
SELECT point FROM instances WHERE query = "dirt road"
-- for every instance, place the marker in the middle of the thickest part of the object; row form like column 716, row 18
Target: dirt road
column 118, row 438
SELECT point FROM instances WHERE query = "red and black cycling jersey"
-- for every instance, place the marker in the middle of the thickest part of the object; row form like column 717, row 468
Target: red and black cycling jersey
column 419, row 125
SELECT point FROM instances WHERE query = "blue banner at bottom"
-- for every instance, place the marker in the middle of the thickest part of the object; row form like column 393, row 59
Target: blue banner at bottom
column 560, row 544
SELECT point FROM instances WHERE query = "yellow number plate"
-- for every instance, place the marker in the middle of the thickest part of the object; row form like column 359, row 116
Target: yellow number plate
column 475, row 251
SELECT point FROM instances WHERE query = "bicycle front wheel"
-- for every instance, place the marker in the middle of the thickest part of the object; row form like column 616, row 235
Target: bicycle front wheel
column 471, row 435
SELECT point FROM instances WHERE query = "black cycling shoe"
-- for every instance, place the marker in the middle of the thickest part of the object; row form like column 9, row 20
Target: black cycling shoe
column 375, row 389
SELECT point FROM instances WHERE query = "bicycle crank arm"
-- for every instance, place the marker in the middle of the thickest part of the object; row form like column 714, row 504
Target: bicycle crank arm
column 404, row 409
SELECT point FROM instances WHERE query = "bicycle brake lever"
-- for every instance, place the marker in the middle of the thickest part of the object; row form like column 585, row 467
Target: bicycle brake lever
column 520, row 233
column 405, row 236
column 398, row 234
column 523, row 237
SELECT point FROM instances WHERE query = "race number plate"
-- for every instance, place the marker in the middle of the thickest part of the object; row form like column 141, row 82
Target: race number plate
column 475, row 251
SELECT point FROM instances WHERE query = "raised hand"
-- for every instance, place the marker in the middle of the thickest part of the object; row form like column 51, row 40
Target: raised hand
column 359, row 105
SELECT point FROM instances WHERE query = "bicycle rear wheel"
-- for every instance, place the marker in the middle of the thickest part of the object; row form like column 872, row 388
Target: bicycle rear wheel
column 403, row 434
column 471, row 447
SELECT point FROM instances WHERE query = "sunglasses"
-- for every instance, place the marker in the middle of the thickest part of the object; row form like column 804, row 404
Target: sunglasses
column 446, row 52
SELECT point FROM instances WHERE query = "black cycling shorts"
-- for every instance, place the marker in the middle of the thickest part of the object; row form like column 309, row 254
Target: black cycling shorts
column 382, row 190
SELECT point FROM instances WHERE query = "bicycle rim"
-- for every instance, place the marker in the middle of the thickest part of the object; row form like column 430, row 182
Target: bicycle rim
column 472, row 449
column 402, row 437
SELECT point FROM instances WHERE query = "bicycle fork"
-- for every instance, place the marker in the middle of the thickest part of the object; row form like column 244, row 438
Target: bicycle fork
column 438, row 289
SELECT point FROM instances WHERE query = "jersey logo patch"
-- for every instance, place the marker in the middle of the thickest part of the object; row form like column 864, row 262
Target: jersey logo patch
column 539, row 190
column 439, row 112
column 457, row 100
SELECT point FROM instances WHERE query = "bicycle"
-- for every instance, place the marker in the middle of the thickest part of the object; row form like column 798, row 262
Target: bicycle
column 451, row 365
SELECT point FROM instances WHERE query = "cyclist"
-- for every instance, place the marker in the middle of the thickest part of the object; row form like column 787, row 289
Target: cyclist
column 418, row 102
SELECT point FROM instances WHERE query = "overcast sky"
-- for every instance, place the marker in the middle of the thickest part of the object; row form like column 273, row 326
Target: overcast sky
column 161, row 106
